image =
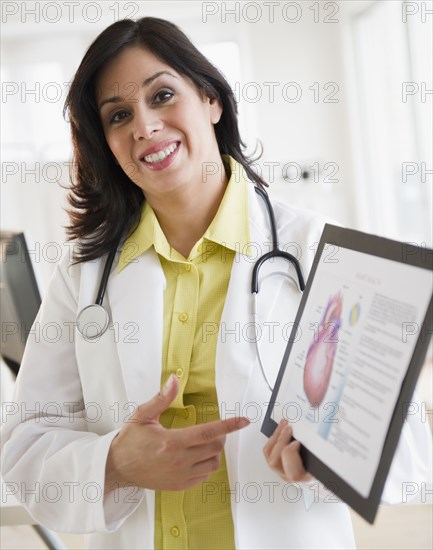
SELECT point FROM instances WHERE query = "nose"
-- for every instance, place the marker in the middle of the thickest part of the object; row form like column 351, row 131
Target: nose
column 146, row 124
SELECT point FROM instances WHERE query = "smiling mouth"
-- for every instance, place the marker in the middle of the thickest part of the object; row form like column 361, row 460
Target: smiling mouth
column 160, row 155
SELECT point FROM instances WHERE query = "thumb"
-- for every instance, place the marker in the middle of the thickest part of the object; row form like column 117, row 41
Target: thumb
column 150, row 411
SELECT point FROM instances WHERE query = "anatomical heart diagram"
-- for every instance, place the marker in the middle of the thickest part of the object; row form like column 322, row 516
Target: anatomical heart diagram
column 321, row 353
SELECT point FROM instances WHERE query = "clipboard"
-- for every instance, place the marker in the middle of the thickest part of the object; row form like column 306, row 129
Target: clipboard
column 356, row 349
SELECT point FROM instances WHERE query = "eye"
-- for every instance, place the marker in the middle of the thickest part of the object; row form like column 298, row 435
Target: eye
column 162, row 96
column 118, row 116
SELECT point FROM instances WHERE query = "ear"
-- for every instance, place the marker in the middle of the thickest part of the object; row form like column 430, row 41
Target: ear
column 215, row 110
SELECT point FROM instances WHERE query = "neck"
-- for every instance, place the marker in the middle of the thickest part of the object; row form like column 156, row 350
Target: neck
column 185, row 216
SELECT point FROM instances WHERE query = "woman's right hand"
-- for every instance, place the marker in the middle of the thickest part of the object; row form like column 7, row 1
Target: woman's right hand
column 146, row 454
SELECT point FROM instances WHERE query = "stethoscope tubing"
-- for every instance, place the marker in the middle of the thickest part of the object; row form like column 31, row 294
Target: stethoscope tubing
column 93, row 320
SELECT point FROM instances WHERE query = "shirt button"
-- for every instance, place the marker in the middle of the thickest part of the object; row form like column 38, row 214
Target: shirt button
column 175, row 531
column 179, row 372
column 183, row 317
column 187, row 267
column 186, row 414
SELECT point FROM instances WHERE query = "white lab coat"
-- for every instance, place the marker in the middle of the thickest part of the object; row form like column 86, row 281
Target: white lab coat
column 55, row 451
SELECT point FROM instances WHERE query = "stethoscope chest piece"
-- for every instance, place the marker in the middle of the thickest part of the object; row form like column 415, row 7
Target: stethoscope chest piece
column 92, row 321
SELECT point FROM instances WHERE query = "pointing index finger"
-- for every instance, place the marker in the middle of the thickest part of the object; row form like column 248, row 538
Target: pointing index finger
column 204, row 433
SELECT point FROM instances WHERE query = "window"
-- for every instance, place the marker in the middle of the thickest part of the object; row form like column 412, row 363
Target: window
column 393, row 61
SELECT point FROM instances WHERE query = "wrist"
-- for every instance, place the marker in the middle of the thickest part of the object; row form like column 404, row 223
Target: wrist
column 113, row 477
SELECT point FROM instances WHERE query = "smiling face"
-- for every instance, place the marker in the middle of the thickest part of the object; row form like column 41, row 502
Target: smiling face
column 157, row 125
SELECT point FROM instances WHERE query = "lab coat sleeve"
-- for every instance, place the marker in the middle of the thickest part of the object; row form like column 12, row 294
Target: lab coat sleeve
column 412, row 464
column 50, row 458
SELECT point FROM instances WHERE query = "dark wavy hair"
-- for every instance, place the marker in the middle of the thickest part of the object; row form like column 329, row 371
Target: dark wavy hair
column 105, row 203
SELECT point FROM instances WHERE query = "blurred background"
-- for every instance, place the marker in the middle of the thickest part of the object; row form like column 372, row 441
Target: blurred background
column 338, row 93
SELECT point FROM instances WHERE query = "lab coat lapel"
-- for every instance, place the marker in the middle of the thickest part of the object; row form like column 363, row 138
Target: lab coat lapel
column 235, row 350
column 98, row 362
column 236, row 359
column 135, row 297
column 277, row 295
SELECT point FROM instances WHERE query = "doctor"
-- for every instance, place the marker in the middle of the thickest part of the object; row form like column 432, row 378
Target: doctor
column 138, row 437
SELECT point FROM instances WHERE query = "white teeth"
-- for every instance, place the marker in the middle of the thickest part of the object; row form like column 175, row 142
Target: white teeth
column 161, row 155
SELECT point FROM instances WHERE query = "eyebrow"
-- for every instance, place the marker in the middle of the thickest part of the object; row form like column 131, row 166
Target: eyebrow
column 147, row 82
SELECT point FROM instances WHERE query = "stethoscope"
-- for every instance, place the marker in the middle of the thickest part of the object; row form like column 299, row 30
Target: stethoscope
column 93, row 320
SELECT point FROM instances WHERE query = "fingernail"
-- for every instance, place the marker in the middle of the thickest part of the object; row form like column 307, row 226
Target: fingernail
column 167, row 386
column 242, row 422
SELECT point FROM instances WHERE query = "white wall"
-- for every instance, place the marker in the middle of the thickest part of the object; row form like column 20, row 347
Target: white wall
column 300, row 126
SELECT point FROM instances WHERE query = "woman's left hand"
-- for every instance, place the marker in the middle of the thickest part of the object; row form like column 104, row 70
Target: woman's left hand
column 283, row 456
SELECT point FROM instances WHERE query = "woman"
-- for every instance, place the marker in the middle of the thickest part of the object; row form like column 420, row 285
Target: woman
column 160, row 170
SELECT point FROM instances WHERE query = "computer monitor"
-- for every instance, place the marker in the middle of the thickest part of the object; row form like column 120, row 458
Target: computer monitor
column 19, row 297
